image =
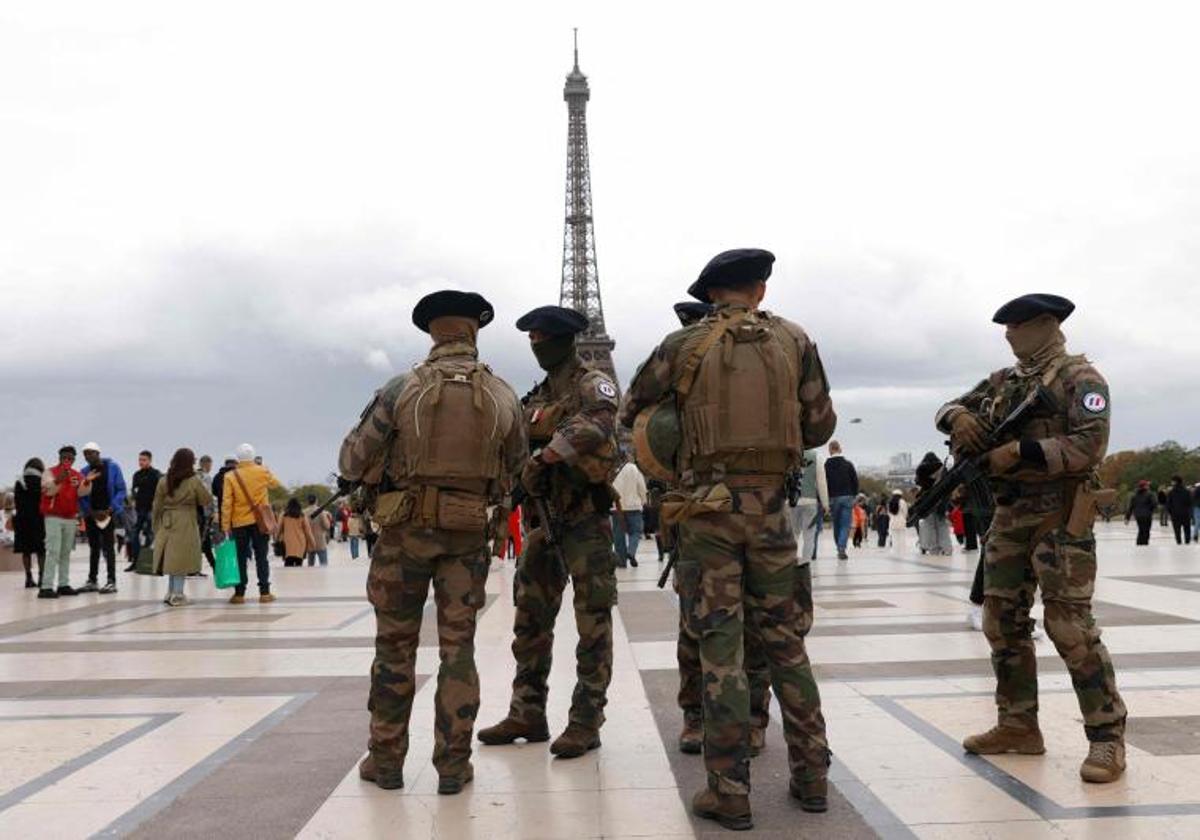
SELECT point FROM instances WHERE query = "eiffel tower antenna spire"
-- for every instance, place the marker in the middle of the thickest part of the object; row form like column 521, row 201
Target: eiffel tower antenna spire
column 580, row 288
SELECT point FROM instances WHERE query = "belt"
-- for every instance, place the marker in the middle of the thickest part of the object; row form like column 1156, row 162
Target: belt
column 740, row 481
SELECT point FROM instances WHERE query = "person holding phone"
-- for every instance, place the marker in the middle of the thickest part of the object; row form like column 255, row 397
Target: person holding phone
column 101, row 500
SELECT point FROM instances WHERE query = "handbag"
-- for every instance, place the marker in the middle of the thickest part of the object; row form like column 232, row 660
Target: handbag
column 225, row 566
column 278, row 548
column 145, row 561
column 264, row 515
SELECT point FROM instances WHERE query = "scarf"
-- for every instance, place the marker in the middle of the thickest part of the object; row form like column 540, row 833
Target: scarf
column 1036, row 345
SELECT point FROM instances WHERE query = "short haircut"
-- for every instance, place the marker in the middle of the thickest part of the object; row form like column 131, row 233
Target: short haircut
column 834, row 446
column 147, row 453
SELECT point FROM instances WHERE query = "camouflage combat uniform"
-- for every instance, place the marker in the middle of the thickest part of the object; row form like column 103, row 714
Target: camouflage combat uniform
column 735, row 533
column 572, row 412
column 419, row 549
column 1029, row 545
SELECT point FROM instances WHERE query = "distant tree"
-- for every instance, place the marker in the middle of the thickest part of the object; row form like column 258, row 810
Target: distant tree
column 279, row 496
column 1156, row 464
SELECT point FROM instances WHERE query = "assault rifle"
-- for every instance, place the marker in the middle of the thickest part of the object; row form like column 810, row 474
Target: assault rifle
column 973, row 472
column 549, row 525
column 344, row 488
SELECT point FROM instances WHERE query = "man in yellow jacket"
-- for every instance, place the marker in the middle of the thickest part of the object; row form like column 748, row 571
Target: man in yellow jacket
column 245, row 486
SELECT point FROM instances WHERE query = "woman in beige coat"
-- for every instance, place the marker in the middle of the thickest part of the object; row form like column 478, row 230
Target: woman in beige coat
column 176, row 533
column 295, row 533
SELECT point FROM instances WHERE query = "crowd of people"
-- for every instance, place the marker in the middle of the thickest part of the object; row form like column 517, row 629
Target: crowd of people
column 166, row 524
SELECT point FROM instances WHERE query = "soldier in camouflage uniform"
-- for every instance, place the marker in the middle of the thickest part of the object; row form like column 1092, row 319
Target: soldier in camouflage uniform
column 571, row 420
column 752, row 394
column 439, row 446
column 1041, row 534
column 687, row 648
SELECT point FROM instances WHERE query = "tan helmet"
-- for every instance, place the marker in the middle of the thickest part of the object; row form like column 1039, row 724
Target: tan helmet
column 657, row 435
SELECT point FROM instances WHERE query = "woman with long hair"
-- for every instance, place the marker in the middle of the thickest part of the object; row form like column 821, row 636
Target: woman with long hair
column 295, row 533
column 29, row 526
column 176, row 538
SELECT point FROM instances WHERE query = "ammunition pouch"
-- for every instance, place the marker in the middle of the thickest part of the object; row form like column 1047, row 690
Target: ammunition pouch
column 1088, row 503
column 679, row 507
column 433, row 507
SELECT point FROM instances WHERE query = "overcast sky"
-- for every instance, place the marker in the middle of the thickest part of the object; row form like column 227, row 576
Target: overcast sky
column 215, row 218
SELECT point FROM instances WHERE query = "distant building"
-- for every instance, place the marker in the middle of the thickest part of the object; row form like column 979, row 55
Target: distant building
column 901, row 475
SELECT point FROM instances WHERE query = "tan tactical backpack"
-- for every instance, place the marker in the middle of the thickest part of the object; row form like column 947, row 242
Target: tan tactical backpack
column 452, row 424
column 739, row 400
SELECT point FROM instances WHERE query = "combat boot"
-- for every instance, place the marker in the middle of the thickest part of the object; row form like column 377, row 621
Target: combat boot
column 575, row 741
column 450, row 785
column 732, row 811
column 813, row 794
column 758, row 740
column 510, row 729
column 1105, row 762
column 1001, row 739
column 691, row 739
column 387, row 779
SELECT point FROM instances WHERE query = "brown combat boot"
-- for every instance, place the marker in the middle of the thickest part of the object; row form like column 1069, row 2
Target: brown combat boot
column 758, row 740
column 732, row 811
column 575, row 741
column 450, row 785
column 387, row 779
column 1105, row 762
column 1006, row 739
column 691, row 739
column 813, row 795
column 510, row 729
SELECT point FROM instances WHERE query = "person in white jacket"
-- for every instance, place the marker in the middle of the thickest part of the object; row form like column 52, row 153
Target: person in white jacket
column 814, row 501
column 627, row 518
column 898, row 522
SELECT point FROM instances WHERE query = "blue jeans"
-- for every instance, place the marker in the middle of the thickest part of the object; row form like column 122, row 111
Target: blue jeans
column 143, row 525
column 354, row 548
column 626, row 539
column 322, row 555
column 250, row 540
column 841, row 510
column 1196, row 520
column 175, row 584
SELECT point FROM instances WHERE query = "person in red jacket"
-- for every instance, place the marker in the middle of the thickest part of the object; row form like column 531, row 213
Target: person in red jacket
column 60, row 506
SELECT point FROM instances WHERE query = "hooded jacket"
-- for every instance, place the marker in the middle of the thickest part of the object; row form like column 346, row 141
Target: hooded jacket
column 116, row 488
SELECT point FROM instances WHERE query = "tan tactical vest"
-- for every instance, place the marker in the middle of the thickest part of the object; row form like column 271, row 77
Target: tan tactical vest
column 451, row 425
column 741, row 411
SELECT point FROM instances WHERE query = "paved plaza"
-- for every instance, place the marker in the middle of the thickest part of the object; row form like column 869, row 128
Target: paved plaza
column 120, row 716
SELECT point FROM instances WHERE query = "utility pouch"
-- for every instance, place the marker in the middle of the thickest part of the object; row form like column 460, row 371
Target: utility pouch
column 458, row 511
column 680, row 507
column 393, row 507
column 1083, row 511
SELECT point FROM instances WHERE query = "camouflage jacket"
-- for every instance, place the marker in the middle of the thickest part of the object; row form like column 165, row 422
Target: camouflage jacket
column 572, row 412
column 657, row 377
column 373, row 447
column 1072, row 434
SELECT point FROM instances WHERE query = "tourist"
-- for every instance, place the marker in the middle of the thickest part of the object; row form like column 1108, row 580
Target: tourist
column 177, row 544
column 344, row 523
column 370, row 531
column 1163, row 515
column 898, row 521
column 353, row 530
column 957, row 526
column 319, row 526
column 218, row 484
column 933, row 532
column 1141, row 508
column 29, row 526
column 1196, row 512
column 60, row 509
column 142, row 487
column 205, row 513
column 881, row 521
column 811, row 504
column 627, row 522
column 102, row 502
column 842, row 481
column 296, row 534
column 1179, row 507
column 244, row 490
column 858, row 518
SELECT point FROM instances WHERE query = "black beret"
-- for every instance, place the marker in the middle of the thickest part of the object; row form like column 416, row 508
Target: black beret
column 1027, row 307
column 690, row 311
column 553, row 320
column 732, row 268
column 449, row 302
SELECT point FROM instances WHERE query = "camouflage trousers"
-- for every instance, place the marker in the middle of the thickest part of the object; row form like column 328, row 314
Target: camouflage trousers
column 748, row 577
column 537, row 593
column 687, row 653
column 1065, row 569
column 404, row 563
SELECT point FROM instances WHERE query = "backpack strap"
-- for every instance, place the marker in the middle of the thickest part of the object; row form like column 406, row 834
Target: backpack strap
column 691, row 365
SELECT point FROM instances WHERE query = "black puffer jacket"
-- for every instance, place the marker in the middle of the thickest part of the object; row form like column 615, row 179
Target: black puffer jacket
column 1141, row 505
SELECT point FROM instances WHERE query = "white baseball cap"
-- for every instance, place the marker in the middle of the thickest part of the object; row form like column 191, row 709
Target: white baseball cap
column 91, row 446
column 245, row 452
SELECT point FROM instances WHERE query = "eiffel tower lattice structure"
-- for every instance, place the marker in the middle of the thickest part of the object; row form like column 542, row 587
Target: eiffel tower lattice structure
column 580, row 277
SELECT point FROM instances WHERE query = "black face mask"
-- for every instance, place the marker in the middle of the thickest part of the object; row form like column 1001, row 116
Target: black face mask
column 553, row 351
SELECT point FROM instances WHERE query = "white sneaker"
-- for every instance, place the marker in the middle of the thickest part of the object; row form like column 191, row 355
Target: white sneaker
column 975, row 617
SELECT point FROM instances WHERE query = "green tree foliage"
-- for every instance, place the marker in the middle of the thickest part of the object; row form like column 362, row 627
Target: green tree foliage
column 278, row 496
column 1157, row 464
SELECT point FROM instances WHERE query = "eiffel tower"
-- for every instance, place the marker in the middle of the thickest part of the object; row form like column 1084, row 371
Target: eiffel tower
column 580, row 278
